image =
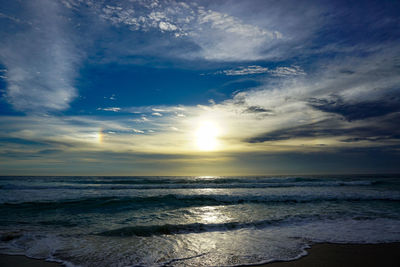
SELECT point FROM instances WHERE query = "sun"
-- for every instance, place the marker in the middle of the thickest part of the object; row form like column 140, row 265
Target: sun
column 207, row 136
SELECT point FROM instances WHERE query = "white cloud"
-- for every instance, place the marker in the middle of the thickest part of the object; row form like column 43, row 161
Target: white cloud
column 142, row 119
column 254, row 69
column 287, row 71
column 215, row 31
column 166, row 26
column 224, row 37
column 41, row 61
column 113, row 109
column 156, row 114
column 159, row 109
column 233, row 25
column 10, row 17
column 3, row 74
column 138, row 131
column 220, row 36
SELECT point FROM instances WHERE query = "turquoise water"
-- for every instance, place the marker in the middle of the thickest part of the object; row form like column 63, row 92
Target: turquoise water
column 192, row 221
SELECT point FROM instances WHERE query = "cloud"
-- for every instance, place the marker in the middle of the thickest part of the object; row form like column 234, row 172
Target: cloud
column 227, row 31
column 224, row 37
column 287, row 71
column 112, row 97
column 40, row 59
column 3, row 74
column 159, row 109
column 143, row 118
column 166, row 26
column 138, row 131
column 332, row 107
column 142, row 16
column 385, row 130
column 214, row 35
column 10, row 17
column 357, row 111
column 254, row 69
column 113, row 109
column 257, row 109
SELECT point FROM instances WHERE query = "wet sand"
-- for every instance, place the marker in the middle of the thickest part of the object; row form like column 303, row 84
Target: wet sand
column 22, row 261
column 319, row 255
column 346, row 255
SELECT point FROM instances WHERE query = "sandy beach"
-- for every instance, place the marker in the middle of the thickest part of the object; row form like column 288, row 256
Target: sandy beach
column 326, row 255
column 23, row 261
column 346, row 255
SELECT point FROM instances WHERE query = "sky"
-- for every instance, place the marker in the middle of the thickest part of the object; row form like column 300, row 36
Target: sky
column 151, row 87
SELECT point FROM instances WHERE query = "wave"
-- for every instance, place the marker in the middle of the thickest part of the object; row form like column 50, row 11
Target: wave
column 284, row 240
column 116, row 204
column 147, row 186
column 171, row 229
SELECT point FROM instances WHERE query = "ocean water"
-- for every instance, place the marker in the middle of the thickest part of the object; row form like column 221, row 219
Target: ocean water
column 192, row 221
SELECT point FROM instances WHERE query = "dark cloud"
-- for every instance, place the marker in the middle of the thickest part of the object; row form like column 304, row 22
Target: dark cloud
column 357, row 111
column 12, row 140
column 310, row 130
column 50, row 151
column 347, row 71
column 384, row 130
column 257, row 109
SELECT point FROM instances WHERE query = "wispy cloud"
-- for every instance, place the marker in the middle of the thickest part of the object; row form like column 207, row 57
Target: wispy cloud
column 3, row 74
column 255, row 69
column 113, row 109
column 138, row 131
column 112, row 97
column 40, row 59
column 224, row 37
column 287, row 71
column 219, row 36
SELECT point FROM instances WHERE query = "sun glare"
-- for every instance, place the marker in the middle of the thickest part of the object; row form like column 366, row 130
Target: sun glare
column 207, row 136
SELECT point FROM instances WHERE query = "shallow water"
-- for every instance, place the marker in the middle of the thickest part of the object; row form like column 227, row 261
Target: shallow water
column 192, row 221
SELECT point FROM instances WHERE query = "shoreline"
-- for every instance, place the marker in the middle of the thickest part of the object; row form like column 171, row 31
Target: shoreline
column 319, row 254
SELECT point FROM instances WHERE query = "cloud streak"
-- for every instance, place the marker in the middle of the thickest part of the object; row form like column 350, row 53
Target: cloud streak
column 40, row 59
column 255, row 69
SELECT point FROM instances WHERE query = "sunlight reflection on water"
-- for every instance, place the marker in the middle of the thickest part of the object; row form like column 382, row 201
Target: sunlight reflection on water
column 210, row 214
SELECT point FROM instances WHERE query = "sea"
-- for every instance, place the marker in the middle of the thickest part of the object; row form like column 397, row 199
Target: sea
column 192, row 221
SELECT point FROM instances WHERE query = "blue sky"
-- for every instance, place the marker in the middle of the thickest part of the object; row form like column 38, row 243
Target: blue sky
column 133, row 87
